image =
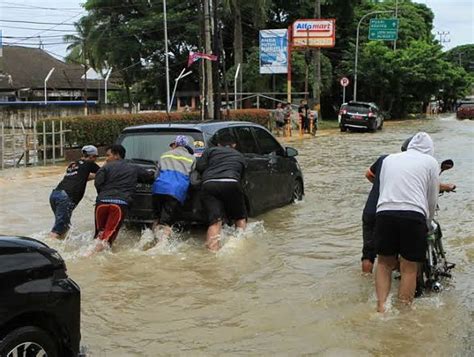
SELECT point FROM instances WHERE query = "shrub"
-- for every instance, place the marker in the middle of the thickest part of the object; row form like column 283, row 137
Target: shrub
column 104, row 129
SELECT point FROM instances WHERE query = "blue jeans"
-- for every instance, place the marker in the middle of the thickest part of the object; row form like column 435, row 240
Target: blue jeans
column 62, row 207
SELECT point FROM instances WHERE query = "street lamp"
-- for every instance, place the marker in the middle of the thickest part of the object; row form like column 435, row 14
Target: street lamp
column 46, row 83
column 357, row 47
column 235, row 85
column 106, row 80
column 181, row 76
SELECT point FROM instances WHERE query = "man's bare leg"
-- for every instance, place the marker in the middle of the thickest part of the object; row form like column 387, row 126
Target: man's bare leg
column 408, row 272
column 367, row 266
column 55, row 235
column 241, row 223
column 383, row 279
column 213, row 235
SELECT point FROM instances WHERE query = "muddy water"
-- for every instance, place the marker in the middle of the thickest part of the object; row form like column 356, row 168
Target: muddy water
column 291, row 286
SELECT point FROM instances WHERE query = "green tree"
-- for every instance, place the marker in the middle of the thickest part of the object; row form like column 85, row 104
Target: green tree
column 462, row 56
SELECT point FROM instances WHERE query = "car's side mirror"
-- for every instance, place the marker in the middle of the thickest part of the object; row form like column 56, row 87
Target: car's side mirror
column 447, row 164
column 290, row 152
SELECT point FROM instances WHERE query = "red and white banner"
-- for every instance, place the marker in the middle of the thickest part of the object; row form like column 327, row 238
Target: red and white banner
column 196, row 56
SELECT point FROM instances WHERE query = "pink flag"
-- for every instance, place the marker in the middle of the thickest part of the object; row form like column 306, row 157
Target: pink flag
column 195, row 56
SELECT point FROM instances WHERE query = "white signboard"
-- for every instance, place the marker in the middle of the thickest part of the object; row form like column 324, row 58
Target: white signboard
column 273, row 51
column 314, row 33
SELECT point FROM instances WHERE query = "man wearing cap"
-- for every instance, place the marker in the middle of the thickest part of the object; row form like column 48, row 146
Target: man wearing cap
column 67, row 195
column 170, row 188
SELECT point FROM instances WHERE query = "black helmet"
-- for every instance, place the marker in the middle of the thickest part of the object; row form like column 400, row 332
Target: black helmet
column 406, row 143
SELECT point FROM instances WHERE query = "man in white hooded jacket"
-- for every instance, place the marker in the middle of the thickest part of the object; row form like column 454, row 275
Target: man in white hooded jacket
column 409, row 186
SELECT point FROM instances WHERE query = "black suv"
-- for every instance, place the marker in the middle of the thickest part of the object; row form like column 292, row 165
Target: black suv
column 39, row 304
column 360, row 115
column 272, row 178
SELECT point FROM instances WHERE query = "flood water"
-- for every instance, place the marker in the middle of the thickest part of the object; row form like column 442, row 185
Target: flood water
column 292, row 286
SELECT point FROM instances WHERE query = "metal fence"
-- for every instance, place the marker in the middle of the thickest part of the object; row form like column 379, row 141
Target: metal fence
column 26, row 145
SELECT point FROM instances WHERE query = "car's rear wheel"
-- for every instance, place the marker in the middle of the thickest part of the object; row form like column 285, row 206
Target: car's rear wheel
column 28, row 341
column 298, row 190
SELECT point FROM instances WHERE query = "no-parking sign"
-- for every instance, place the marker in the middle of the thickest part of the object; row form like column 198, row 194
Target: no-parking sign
column 344, row 81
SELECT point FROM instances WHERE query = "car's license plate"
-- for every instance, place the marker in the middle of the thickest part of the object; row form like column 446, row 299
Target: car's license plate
column 358, row 117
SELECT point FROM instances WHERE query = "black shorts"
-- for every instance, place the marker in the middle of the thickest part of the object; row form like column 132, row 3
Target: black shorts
column 166, row 209
column 280, row 124
column 223, row 200
column 401, row 232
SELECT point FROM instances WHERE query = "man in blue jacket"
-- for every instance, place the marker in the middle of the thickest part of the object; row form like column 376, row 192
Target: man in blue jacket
column 170, row 188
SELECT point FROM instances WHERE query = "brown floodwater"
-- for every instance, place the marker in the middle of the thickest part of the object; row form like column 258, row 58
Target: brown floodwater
column 290, row 286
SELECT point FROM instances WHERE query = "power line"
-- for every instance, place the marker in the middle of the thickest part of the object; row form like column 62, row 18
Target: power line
column 33, row 28
column 25, row 6
column 53, row 28
column 38, row 23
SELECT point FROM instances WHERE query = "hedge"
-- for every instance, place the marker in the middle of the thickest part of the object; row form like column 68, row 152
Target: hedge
column 104, row 129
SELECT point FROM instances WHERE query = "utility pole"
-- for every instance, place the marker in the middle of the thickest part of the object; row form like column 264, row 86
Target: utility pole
column 317, row 64
column 443, row 37
column 84, row 58
column 396, row 16
column 215, row 64
column 167, row 64
column 208, row 50
column 224, row 74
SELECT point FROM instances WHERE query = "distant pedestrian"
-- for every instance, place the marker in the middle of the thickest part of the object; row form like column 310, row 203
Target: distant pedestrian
column 116, row 184
column 279, row 118
column 288, row 112
column 303, row 111
column 222, row 168
column 67, row 195
column 171, row 185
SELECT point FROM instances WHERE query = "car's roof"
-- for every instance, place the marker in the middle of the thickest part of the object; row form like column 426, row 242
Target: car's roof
column 211, row 125
column 15, row 241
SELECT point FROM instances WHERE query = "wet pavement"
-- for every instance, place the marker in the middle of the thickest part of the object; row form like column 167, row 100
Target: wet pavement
column 291, row 286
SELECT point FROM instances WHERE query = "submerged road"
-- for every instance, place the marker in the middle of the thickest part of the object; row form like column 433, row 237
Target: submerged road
column 292, row 286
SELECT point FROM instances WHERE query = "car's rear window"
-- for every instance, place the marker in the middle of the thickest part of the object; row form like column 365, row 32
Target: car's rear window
column 361, row 109
column 151, row 145
column 467, row 106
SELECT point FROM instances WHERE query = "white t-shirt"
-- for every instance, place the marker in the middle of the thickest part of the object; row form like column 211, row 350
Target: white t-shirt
column 409, row 181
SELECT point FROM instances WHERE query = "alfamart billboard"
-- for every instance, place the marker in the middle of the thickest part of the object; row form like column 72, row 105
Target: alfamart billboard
column 314, row 33
column 273, row 51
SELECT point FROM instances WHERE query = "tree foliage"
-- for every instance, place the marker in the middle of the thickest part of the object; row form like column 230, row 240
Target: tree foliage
column 128, row 35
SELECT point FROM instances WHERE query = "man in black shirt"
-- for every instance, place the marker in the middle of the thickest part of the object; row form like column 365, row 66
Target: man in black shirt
column 67, row 195
column 116, row 184
column 222, row 169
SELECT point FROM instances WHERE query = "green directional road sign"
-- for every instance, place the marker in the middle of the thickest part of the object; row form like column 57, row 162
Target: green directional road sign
column 383, row 29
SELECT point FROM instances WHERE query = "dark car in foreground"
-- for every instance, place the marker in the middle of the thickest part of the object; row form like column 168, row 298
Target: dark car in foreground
column 39, row 303
column 360, row 115
column 272, row 177
column 465, row 110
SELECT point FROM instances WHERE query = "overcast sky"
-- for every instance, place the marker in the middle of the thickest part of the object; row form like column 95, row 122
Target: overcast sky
column 455, row 16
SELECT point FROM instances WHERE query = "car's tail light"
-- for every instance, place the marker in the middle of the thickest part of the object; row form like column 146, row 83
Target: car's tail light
column 371, row 114
column 343, row 112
